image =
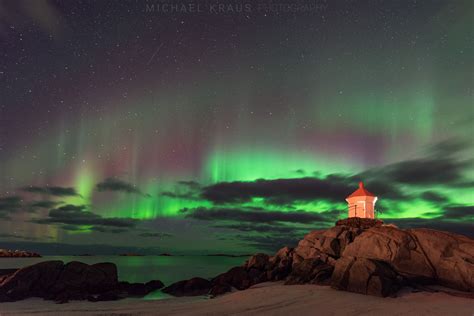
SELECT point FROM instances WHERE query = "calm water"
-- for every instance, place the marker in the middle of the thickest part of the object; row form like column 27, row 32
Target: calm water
column 146, row 268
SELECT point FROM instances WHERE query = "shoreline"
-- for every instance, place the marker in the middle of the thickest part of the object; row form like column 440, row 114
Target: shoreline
column 266, row 298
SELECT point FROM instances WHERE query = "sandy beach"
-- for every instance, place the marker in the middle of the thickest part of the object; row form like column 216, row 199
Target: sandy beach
column 262, row 299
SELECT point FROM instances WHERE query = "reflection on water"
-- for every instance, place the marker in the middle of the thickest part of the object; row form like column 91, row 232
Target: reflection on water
column 146, row 268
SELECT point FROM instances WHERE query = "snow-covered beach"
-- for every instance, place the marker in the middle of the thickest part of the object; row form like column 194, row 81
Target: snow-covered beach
column 262, row 299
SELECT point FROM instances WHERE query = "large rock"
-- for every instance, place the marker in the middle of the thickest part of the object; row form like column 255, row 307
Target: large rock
column 313, row 271
column 34, row 280
column 420, row 255
column 192, row 287
column 279, row 266
column 7, row 272
column 237, row 277
column 139, row 289
column 78, row 280
column 54, row 280
column 326, row 245
column 450, row 255
column 363, row 256
column 364, row 276
column 258, row 261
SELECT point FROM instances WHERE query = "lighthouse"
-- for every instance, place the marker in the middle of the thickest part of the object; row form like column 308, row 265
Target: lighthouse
column 361, row 203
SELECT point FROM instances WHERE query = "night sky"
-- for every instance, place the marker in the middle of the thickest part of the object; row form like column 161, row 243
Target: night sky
column 230, row 129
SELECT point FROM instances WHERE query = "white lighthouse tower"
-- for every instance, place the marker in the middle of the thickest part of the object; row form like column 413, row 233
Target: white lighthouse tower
column 361, row 203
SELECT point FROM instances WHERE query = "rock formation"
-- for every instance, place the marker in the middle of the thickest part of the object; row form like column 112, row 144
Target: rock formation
column 359, row 255
column 5, row 253
column 54, row 280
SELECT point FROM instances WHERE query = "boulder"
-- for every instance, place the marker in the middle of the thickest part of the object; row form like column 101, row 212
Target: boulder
column 313, row 271
column 34, row 280
column 279, row 266
column 237, row 277
column 83, row 278
column 284, row 253
column 258, row 261
column 326, row 245
column 154, row 285
column 394, row 246
column 358, row 255
column 420, row 255
column 450, row 255
column 191, row 287
column 138, row 289
column 134, row 289
column 365, row 276
column 7, row 272
column 53, row 280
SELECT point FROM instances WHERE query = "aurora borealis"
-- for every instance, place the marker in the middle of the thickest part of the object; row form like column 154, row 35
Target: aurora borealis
column 193, row 132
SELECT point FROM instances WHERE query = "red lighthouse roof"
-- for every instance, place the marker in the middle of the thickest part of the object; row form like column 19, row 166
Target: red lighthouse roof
column 361, row 191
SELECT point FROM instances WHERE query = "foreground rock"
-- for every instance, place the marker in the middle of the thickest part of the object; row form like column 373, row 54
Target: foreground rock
column 192, row 287
column 357, row 255
column 54, row 280
column 5, row 253
column 365, row 276
column 420, row 255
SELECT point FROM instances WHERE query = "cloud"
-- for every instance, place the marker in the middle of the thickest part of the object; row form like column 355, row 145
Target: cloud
column 108, row 230
column 13, row 204
column 449, row 147
column 10, row 204
column 12, row 236
column 78, row 216
column 268, row 242
column 459, row 212
column 44, row 204
column 252, row 215
column 279, row 191
column 262, row 228
column 185, row 190
column 117, row 185
column 426, row 171
column 180, row 196
column 441, row 165
column 53, row 191
column 155, row 235
column 189, row 183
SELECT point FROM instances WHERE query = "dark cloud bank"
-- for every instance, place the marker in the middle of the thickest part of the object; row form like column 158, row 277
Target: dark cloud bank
column 117, row 185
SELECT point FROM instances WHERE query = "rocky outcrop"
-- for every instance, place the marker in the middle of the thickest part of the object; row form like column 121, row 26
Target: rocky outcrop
column 5, row 253
column 54, row 280
column 254, row 271
column 365, row 276
column 420, row 255
column 279, row 266
column 361, row 223
column 310, row 271
column 363, row 256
